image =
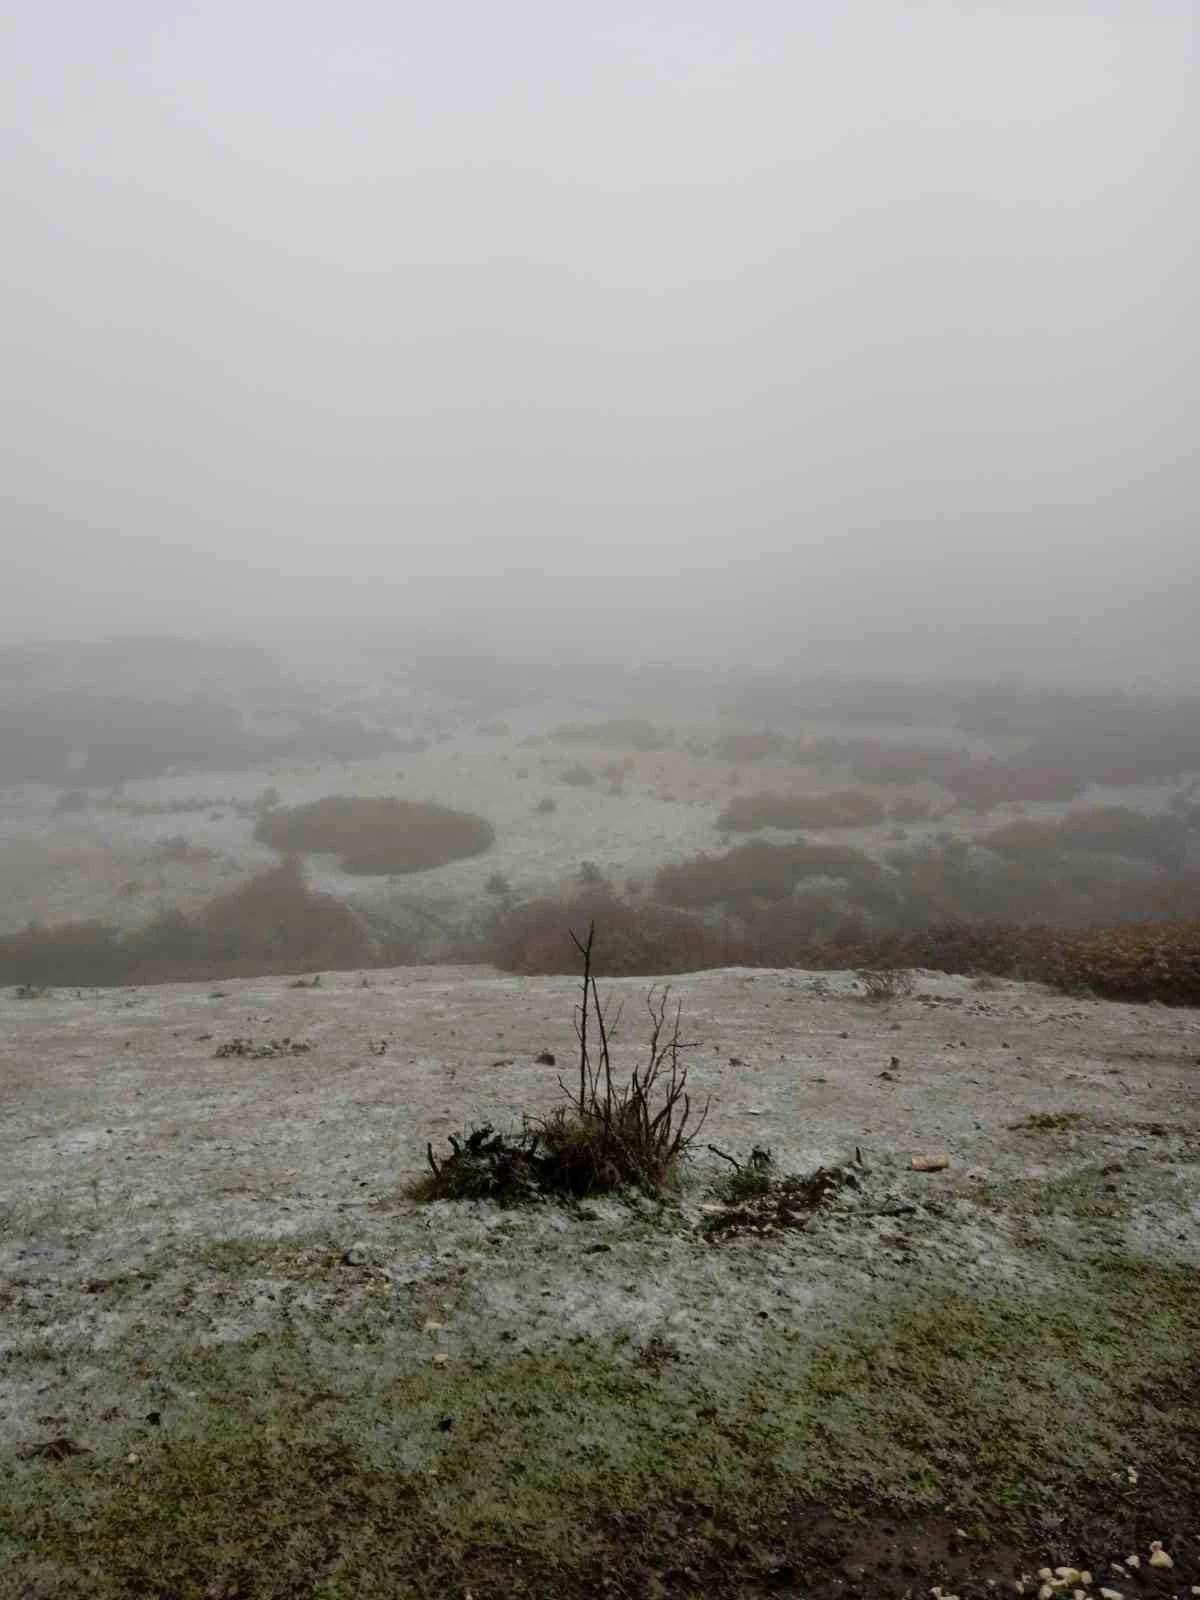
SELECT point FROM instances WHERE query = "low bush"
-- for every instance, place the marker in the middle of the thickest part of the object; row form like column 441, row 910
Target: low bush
column 614, row 1132
column 1142, row 961
column 844, row 808
column 378, row 836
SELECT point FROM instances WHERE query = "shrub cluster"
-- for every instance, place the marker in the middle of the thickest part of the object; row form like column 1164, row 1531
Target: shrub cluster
column 376, row 836
column 1141, row 961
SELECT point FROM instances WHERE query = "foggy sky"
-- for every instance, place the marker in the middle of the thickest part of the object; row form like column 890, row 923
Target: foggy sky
column 861, row 329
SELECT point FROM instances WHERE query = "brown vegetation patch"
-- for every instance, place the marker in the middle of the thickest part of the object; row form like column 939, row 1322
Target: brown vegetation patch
column 273, row 923
column 631, row 941
column 844, row 808
column 758, row 870
column 1142, row 961
column 377, row 835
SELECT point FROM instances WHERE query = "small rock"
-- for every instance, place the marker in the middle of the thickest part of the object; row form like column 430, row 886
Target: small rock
column 356, row 1256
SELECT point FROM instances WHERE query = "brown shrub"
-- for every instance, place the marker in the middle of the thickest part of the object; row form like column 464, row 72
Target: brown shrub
column 844, row 808
column 377, row 836
column 1139, row 961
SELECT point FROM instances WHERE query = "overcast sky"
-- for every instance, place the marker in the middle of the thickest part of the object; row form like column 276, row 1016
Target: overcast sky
column 862, row 326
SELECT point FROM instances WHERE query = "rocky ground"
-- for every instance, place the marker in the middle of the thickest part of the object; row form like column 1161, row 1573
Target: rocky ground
column 236, row 1359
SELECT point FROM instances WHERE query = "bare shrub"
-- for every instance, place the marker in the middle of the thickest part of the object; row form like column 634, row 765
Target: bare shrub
column 883, row 984
column 377, row 835
column 614, row 1132
column 632, row 1133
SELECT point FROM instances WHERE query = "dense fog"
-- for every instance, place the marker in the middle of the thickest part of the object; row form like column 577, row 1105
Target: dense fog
column 854, row 337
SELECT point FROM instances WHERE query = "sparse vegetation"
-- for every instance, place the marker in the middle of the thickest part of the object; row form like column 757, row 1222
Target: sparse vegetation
column 1146, row 961
column 377, row 836
column 263, row 1050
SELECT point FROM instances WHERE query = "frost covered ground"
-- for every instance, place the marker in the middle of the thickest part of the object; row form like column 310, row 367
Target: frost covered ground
column 236, row 1360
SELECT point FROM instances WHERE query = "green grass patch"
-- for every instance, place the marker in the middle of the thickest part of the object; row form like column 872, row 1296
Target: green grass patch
column 329, row 1459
